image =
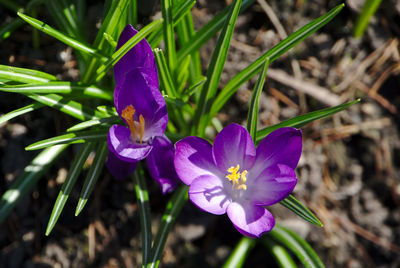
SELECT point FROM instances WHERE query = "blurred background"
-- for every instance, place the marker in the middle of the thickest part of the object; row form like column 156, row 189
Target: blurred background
column 348, row 173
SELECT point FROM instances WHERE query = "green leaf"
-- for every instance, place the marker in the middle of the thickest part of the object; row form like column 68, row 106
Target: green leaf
column 60, row 87
column 291, row 203
column 280, row 254
column 70, row 138
column 252, row 117
column 69, row 183
column 95, row 122
column 20, row 111
column 240, row 253
column 169, row 34
column 297, row 245
column 28, row 179
column 41, row 26
column 215, row 69
column 23, row 75
column 164, row 74
column 93, row 175
column 233, row 85
column 7, row 29
column 368, row 10
column 172, row 210
column 304, row 119
column 126, row 47
column 142, row 196
column 70, row 107
column 196, row 85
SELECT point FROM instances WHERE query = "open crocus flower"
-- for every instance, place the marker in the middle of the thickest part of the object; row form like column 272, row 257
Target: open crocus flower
column 141, row 106
column 234, row 177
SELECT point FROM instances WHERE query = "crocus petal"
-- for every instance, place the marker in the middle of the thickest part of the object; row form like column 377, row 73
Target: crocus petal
column 160, row 163
column 118, row 168
column 282, row 146
column 193, row 159
column 135, row 89
column 250, row 220
column 207, row 192
column 273, row 185
column 121, row 145
column 140, row 55
column 233, row 146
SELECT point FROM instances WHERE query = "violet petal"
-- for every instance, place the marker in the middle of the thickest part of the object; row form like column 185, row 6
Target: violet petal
column 233, row 146
column 250, row 220
column 140, row 55
column 160, row 163
column 207, row 193
column 121, row 145
column 193, row 159
column 118, row 168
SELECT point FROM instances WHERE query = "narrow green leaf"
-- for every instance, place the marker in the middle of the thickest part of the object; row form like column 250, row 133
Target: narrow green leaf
column 110, row 40
column 23, row 75
column 60, row 87
column 164, row 74
column 41, row 26
column 233, row 85
column 208, row 31
column 67, row 106
column 196, row 85
column 93, row 175
column 20, row 111
column 142, row 197
column 280, row 254
column 126, row 47
column 7, row 29
column 169, row 34
column 172, row 210
column 215, row 69
column 107, row 110
column 69, row 183
column 368, row 10
column 70, row 138
column 304, row 119
column 297, row 245
column 240, row 253
column 28, row 179
column 302, row 211
column 183, row 74
column 252, row 116
column 95, row 122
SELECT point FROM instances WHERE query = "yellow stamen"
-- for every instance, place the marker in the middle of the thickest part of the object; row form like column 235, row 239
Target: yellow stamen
column 136, row 128
column 237, row 178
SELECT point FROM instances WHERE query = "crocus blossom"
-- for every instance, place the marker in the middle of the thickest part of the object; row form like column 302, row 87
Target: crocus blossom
column 141, row 106
column 233, row 176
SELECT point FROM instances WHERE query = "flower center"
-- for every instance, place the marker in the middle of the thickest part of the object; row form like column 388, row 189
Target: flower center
column 136, row 128
column 237, row 178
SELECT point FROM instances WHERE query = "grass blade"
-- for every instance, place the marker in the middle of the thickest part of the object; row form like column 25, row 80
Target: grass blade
column 302, row 211
column 41, row 26
column 28, row 179
column 280, row 254
column 20, row 111
column 60, row 87
column 93, row 175
column 142, row 197
column 304, row 119
column 95, row 122
column 252, row 117
column 69, row 183
column 24, row 75
column 286, row 44
column 70, row 138
column 70, row 107
column 297, row 245
column 240, row 253
column 164, row 74
column 193, row 88
column 215, row 69
column 169, row 34
column 172, row 210
column 368, row 10
column 126, row 47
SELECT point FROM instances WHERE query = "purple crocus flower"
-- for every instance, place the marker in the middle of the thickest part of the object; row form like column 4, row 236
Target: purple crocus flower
column 141, row 106
column 234, row 177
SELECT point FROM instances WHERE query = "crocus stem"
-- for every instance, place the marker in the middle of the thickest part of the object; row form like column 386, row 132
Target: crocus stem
column 172, row 210
column 142, row 197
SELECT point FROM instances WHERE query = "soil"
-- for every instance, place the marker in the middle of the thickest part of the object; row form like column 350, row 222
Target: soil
column 348, row 173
